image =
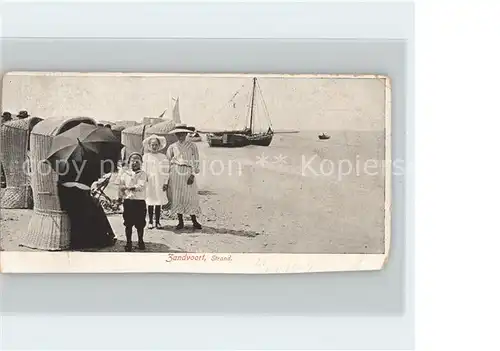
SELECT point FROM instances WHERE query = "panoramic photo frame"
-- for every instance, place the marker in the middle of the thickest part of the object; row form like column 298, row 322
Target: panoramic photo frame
column 266, row 189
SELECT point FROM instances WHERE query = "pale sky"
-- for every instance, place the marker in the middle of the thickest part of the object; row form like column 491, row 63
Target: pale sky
column 292, row 103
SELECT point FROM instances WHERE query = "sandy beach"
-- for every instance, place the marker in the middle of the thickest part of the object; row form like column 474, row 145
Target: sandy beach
column 300, row 195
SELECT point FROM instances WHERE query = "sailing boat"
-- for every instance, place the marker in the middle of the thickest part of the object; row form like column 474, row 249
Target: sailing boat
column 247, row 136
column 176, row 117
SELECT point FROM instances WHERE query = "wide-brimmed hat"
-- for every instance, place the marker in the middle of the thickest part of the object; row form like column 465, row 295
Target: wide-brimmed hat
column 6, row 114
column 162, row 140
column 23, row 114
column 182, row 128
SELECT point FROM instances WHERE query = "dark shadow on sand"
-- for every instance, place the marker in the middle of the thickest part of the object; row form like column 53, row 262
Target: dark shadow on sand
column 206, row 192
column 207, row 230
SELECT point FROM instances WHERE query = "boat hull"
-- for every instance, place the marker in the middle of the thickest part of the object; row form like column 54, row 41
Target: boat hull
column 227, row 140
column 321, row 137
column 261, row 140
column 239, row 140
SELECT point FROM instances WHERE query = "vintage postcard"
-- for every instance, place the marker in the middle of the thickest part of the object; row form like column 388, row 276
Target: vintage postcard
column 206, row 173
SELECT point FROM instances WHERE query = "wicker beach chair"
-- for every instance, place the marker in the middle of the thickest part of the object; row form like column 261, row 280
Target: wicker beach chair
column 126, row 123
column 3, row 183
column 117, row 131
column 49, row 228
column 162, row 129
column 132, row 138
column 152, row 120
column 105, row 124
column 14, row 157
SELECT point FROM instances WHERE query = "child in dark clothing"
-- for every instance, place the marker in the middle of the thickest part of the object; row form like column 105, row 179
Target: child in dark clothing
column 132, row 186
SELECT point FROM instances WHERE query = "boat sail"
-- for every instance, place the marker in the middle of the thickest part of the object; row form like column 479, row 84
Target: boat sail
column 176, row 115
column 253, row 133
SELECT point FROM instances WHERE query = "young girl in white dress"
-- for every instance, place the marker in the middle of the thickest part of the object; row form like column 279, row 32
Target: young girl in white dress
column 156, row 166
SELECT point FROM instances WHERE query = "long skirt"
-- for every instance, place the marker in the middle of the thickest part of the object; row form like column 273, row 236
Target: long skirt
column 90, row 227
column 184, row 197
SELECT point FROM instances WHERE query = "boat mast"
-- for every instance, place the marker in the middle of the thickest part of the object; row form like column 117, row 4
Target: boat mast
column 252, row 103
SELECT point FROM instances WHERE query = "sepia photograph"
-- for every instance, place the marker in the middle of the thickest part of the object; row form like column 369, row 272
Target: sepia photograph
column 207, row 173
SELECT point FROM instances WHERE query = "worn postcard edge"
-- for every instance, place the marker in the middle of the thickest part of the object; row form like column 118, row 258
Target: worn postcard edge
column 235, row 263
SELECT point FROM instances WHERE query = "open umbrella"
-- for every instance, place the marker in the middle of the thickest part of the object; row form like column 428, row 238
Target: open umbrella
column 79, row 141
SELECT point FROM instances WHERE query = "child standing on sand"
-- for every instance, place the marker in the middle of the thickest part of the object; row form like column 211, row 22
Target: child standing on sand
column 156, row 166
column 132, row 189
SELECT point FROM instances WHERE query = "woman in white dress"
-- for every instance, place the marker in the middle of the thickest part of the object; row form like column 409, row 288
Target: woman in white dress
column 184, row 165
column 155, row 164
